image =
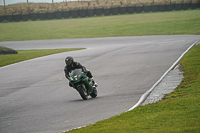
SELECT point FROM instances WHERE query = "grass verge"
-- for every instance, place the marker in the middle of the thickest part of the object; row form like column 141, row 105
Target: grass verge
column 159, row 23
column 178, row 112
column 30, row 54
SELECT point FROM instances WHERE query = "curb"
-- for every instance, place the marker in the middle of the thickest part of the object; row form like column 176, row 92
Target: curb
column 146, row 94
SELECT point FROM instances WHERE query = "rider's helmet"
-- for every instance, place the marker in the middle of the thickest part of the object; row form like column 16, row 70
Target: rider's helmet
column 69, row 60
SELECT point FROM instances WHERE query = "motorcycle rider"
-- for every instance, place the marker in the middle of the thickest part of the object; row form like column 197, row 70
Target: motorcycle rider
column 72, row 65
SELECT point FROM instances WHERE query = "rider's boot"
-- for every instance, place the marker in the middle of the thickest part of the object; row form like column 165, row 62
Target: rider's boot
column 94, row 83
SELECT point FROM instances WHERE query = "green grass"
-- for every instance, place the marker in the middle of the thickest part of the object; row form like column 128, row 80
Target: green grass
column 30, row 54
column 160, row 23
column 178, row 112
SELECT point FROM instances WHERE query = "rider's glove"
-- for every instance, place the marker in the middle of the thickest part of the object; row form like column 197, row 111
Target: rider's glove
column 85, row 71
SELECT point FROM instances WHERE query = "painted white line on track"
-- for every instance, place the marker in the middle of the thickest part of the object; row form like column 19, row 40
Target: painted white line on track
column 146, row 94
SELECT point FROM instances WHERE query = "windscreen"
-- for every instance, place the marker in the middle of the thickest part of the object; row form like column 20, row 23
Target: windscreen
column 75, row 72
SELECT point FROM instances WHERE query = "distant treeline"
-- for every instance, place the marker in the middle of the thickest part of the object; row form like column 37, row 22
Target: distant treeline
column 32, row 11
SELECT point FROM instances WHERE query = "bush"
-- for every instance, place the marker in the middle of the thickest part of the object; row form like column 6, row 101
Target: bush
column 4, row 50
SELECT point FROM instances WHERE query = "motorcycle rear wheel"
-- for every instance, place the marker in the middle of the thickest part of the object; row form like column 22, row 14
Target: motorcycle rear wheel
column 83, row 92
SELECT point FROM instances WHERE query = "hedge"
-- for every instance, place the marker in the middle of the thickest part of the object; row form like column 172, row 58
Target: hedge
column 4, row 50
column 99, row 11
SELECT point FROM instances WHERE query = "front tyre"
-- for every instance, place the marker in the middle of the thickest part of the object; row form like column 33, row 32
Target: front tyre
column 83, row 92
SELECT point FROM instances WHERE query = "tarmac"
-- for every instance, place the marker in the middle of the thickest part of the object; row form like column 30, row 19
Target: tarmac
column 166, row 86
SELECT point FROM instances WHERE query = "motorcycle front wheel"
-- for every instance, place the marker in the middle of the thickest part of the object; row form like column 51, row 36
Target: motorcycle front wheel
column 83, row 92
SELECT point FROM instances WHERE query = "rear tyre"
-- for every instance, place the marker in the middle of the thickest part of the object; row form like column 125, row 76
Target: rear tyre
column 83, row 92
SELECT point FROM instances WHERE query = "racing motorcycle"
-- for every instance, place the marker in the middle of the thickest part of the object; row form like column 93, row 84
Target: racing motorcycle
column 83, row 84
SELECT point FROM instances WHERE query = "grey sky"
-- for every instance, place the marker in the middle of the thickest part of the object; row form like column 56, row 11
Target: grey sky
column 35, row 1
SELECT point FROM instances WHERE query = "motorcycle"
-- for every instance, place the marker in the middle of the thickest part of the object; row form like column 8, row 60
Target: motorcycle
column 83, row 84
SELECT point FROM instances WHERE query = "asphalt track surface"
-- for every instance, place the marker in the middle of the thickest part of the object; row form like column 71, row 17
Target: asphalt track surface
column 35, row 96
